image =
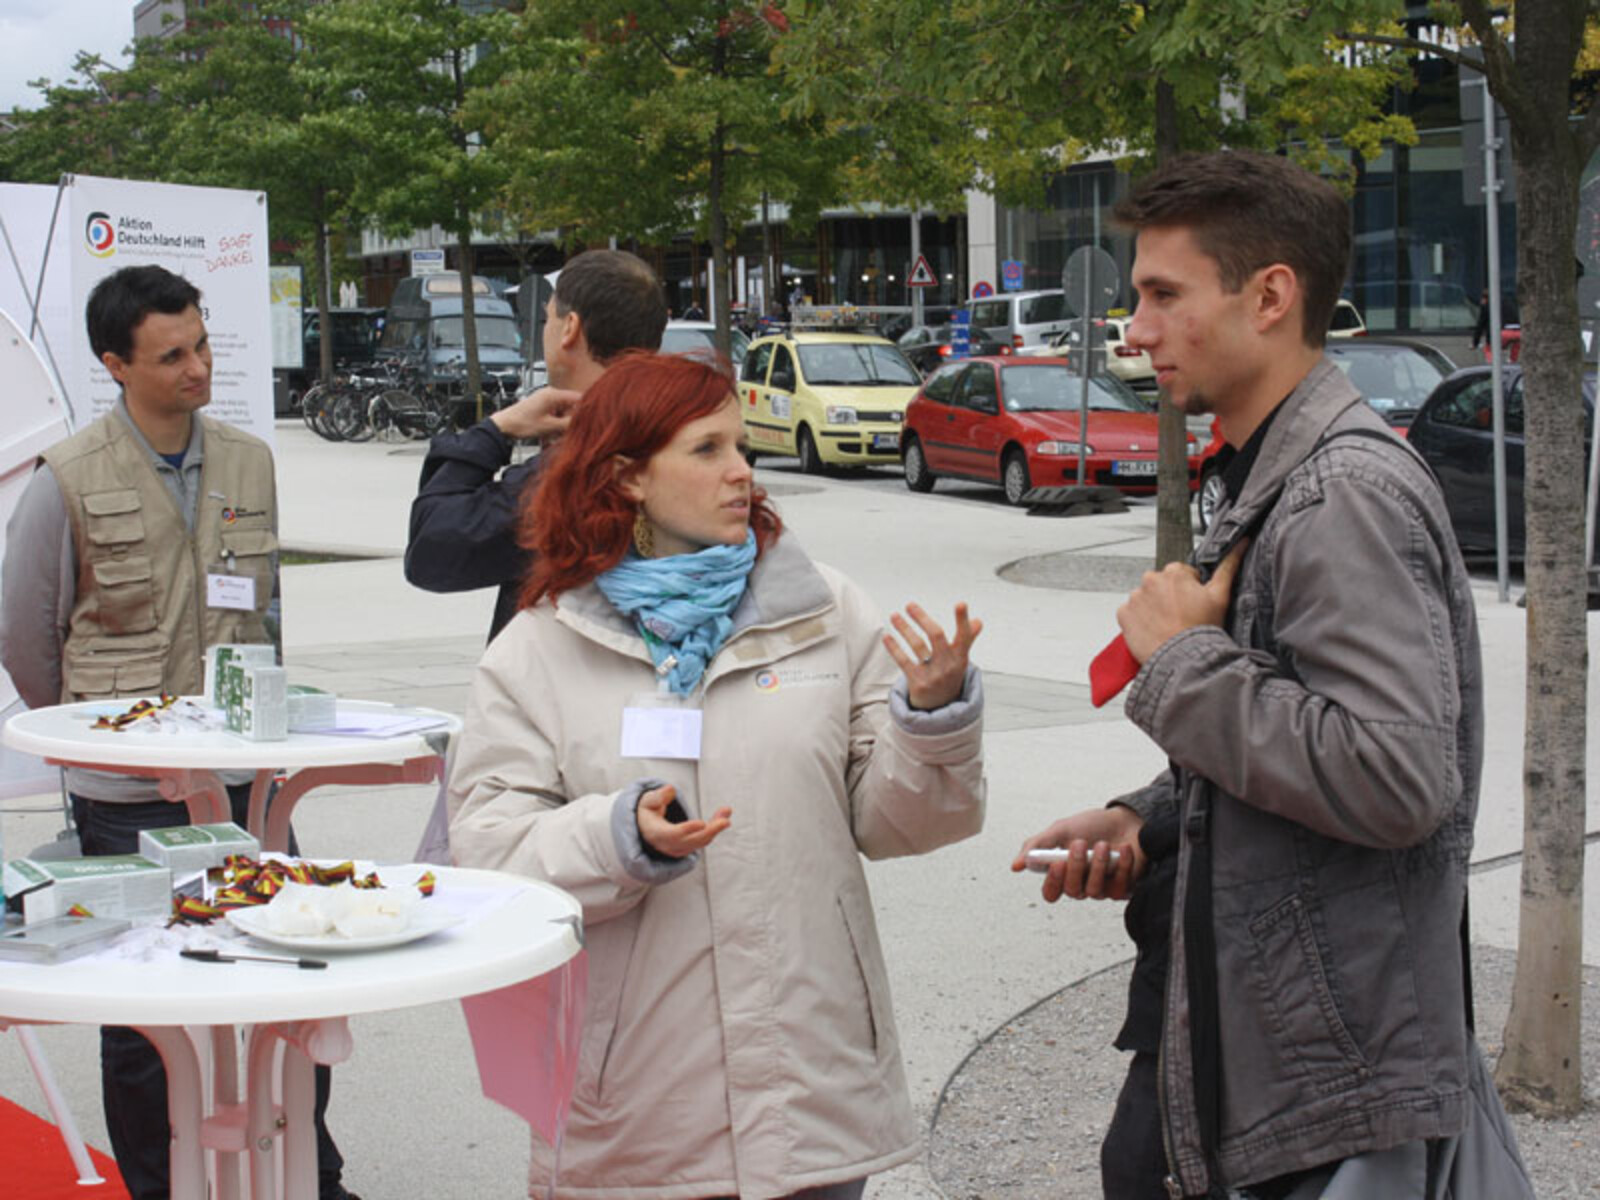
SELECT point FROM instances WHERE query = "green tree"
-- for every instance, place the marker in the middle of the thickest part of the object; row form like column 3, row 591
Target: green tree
column 1007, row 95
column 641, row 121
column 403, row 71
column 95, row 122
column 255, row 109
column 1547, row 88
column 228, row 101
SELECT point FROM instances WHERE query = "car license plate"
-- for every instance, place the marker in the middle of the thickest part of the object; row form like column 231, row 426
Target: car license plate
column 886, row 441
column 1140, row 467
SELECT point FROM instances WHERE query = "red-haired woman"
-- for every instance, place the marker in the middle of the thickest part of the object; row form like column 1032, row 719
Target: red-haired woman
column 698, row 732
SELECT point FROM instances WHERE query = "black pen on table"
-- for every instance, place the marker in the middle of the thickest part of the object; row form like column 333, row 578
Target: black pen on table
column 217, row 956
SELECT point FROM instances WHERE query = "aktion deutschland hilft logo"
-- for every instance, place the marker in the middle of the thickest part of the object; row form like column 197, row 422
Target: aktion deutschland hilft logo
column 100, row 235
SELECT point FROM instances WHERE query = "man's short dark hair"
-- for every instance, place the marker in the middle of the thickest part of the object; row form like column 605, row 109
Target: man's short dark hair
column 1247, row 211
column 122, row 300
column 617, row 297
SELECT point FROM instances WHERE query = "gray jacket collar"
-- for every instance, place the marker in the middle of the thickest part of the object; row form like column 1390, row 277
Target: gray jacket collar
column 1306, row 415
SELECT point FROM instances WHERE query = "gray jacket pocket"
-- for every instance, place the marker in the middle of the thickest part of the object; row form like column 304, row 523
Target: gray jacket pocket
column 1304, row 1024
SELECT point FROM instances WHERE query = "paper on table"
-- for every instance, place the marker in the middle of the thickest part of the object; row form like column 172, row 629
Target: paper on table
column 352, row 722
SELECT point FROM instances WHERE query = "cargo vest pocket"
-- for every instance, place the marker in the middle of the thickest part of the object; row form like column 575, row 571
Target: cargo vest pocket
column 113, row 518
column 1302, row 1015
column 125, row 591
column 249, row 552
column 100, row 674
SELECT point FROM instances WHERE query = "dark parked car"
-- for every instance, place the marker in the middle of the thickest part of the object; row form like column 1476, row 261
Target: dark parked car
column 1396, row 375
column 928, row 346
column 355, row 344
column 1454, row 432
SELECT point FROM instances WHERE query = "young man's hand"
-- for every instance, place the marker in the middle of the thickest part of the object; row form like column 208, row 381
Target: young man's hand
column 1102, row 830
column 1168, row 601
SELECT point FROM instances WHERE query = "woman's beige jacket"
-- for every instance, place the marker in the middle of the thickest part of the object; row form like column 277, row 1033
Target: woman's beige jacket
column 739, row 1037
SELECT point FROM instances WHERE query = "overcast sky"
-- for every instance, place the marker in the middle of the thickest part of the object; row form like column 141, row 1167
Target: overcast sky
column 41, row 37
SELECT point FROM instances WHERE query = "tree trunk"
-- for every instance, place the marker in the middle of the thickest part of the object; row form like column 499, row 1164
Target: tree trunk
column 469, row 318
column 473, row 376
column 1540, row 1068
column 718, row 221
column 324, row 304
column 1174, row 532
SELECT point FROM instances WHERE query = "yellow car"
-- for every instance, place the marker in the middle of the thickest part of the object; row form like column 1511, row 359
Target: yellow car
column 829, row 398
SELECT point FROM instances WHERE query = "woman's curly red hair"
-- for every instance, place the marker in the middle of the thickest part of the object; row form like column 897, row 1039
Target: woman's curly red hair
column 579, row 522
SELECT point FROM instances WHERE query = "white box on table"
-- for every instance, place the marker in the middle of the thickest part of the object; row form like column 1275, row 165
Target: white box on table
column 256, row 701
column 257, row 653
column 184, row 849
column 113, row 885
column 311, row 709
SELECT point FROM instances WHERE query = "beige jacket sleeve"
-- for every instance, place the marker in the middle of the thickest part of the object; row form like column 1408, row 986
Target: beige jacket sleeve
column 915, row 778
column 507, row 812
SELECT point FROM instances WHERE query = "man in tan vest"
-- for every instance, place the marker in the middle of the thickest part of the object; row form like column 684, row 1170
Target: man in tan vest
column 139, row 541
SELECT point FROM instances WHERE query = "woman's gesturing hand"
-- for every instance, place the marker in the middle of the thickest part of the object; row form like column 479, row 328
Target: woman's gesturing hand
column 935, row 666
column 675, row 839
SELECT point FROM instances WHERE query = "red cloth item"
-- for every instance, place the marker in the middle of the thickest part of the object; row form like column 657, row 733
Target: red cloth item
column 1112, row 670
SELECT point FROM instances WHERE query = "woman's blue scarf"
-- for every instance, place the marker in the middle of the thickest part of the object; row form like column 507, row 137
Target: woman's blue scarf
column 683, row 604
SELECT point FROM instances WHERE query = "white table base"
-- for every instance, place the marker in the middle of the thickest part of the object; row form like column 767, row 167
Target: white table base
column 275, row 1112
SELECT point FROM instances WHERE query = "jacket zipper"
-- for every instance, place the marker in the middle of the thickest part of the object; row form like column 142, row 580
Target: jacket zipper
column 1171, row 1181
column 199, row 567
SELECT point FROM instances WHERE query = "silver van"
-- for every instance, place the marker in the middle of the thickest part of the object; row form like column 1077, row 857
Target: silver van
column 1021, row 318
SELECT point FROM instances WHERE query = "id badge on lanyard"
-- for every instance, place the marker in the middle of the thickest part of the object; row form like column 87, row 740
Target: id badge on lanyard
column 661, row 725
column 224, row 589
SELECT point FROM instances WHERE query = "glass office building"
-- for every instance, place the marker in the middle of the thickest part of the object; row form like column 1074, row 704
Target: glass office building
column 1419, row 262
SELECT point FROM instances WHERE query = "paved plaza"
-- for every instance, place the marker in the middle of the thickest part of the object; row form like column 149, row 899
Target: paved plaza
column 969, row 945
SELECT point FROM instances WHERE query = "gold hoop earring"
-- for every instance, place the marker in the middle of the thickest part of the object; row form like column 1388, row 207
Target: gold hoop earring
column 644, row 535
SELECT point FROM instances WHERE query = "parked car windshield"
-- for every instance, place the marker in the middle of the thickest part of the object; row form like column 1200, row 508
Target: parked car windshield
column 857, row 364
column 492, row 331
column 1058, row 389
column 1394, row 379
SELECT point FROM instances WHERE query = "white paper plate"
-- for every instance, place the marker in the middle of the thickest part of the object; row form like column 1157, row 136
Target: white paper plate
column 423, row 923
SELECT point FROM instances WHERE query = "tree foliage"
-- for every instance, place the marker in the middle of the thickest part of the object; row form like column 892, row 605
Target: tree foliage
column 1003, row 96
column 643, row 121
column 400, row 73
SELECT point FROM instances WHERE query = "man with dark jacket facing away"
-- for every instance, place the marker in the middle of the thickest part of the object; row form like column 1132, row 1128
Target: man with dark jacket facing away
column 1314, row 679
column 463, row 521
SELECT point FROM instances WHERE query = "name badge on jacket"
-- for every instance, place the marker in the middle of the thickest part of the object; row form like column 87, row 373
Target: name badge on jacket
column 669, row 731
column 231, row 591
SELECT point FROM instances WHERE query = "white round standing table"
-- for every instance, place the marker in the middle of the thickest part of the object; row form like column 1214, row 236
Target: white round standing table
column 536, row 929
column 185, row 764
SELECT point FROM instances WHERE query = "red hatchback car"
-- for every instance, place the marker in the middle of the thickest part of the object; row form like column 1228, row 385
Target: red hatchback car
column 1014, row 422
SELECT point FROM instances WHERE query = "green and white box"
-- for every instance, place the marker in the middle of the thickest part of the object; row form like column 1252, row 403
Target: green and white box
column 117, row 885
column 258, row 654
column 311, row 709
column 185, row 849
column 256, row 701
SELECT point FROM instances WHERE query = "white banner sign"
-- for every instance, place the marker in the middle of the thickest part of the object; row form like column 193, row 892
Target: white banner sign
column 214, row 237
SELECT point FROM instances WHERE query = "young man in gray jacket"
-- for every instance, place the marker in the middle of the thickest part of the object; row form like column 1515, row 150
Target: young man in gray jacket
column 1313, row 676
